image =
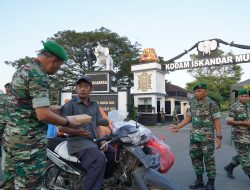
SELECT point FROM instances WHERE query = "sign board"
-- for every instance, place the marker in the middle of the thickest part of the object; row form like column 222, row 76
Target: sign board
column 100, row 82
column 230, row 59
column 107, row 102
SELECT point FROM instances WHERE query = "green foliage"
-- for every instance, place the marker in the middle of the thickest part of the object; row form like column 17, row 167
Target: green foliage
column 219, row 79
column 80, row 47
column 18, row 63
column 132, row 113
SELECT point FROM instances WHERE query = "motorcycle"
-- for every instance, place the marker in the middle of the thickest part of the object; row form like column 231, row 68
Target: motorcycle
column 136, row 167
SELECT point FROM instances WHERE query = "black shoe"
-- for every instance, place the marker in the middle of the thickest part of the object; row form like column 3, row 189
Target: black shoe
column 209, row 187
column 229, row 169
column 197, row 184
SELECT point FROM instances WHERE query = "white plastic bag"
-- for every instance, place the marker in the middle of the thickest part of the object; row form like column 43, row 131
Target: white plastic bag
column 117, row 115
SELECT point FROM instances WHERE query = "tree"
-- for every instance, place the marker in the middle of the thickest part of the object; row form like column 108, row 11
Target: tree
column 219, row 78
column 80, row 47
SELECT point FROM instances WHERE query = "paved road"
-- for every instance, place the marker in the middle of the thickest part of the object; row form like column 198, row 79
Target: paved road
column 182, row 172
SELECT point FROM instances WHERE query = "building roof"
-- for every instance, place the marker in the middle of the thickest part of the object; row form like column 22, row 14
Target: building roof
column 174, row 90
column 240, row 85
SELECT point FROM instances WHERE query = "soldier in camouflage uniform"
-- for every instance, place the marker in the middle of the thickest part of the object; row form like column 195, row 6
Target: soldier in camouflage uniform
column 239, row 118
column 205, row 116
column 4, row 99
column 3, row 108
column 24, row 142
column 175, row 117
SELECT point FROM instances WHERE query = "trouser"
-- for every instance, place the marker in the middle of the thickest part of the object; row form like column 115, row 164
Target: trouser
column 94, row 162
column 23, row 169
column 203, row 151
column 242, row 157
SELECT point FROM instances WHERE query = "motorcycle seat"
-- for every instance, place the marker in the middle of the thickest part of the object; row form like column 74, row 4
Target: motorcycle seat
column 62, row 150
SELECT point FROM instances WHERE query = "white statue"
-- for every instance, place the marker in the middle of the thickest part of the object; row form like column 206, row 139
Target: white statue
column 207, row 46
column 103, row 57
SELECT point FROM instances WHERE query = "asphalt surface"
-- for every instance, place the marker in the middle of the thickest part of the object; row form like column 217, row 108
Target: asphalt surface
column 182, row 172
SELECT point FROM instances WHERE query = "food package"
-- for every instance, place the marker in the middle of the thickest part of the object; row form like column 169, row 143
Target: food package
column 82, row 118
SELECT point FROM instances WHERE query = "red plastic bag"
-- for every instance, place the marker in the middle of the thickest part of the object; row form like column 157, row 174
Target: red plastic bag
column 167, row 158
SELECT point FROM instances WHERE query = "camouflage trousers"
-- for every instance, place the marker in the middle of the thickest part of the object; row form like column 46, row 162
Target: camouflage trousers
column 203, row 152
column 23, row 170
column 242, row 157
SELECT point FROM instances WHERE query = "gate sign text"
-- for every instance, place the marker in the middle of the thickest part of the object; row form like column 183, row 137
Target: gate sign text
column 230, row 59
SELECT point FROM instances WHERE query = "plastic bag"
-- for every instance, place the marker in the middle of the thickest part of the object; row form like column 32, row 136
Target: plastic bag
column 167, row 158
column 117, row 115
column 143, row 130
column 117, row 118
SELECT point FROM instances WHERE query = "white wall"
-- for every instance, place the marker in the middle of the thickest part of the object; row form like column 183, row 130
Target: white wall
column 155, row 75
column 122, row 100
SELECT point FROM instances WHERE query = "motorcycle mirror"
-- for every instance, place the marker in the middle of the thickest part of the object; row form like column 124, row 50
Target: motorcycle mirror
column 103, row 122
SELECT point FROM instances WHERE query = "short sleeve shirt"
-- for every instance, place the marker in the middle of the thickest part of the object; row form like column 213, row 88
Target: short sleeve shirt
column 240, row 112
column 77, row 107
column 30, row 90
column 203, row 114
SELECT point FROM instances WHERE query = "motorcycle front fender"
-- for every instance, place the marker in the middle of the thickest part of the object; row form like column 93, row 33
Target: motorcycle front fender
column 147, row 176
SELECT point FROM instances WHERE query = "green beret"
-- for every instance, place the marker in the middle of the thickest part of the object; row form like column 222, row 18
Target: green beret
column 55, row 49
column 201, row 85
column 243, row 91
column 7, row 85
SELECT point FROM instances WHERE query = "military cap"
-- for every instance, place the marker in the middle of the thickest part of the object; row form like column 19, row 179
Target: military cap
column 55, row 49
column 85, row 79
column 243, row 91
column 201, row 85
column 7, row 85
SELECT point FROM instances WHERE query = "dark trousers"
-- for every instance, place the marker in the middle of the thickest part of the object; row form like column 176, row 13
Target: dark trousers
column 97, row 166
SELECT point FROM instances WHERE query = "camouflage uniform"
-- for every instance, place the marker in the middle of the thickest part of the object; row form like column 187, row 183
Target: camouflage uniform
column 175, row 121
column 2, row 112
column 241, row 112
column 202, row 136
column 24, row 140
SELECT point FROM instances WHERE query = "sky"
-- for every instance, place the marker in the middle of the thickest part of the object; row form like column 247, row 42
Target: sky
column 168, row 26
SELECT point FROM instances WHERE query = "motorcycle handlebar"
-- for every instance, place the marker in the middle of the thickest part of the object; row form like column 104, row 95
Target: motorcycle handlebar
column 101, row 139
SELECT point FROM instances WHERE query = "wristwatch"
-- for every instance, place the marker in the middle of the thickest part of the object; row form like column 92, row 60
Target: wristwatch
column 219, row 137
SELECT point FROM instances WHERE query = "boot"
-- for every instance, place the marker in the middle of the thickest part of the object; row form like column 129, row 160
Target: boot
column 229, row 169
column 198, row 183
column 210, row 184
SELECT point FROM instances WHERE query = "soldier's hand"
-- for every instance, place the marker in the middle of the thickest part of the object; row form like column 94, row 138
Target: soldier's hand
column 84, row 133
column 217, row 143
column 73, row 122
column 173, row 128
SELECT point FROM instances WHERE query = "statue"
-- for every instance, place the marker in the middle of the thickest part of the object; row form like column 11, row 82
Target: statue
column 103, row 57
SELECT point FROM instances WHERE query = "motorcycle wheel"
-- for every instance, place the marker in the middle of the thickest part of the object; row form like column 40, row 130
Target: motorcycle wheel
column 54, row 178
